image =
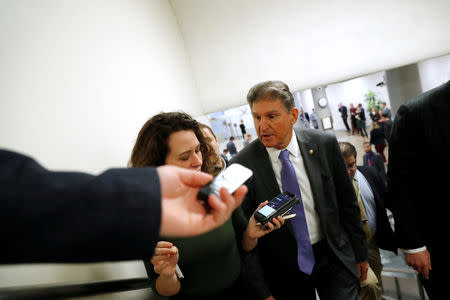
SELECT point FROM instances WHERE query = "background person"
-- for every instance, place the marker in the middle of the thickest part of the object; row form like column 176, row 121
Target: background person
column 242, row 126
column 248, row 139
column 314, row 119
column 370, row 191
column 344, row 114
column 231, row 147
column 225, row 155
column 219, row 162
column 378, row 140
column 374, row 160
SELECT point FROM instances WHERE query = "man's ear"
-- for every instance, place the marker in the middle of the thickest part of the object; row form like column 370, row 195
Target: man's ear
column 294, row 115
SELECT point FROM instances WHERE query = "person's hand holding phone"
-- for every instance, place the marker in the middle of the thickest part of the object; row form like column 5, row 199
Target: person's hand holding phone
column 256, row 230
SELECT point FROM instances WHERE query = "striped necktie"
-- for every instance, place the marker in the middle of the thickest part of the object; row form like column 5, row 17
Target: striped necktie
column 363, row 212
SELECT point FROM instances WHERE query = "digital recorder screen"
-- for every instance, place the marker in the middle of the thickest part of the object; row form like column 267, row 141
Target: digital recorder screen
column 274, row 204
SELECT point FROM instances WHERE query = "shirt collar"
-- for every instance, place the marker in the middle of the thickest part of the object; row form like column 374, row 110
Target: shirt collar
column 356, row 176
column 293, row 148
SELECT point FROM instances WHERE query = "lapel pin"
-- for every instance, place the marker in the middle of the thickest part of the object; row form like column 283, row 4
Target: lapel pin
column 311, row 151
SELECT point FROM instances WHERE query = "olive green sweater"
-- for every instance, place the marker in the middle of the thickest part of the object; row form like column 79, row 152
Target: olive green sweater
column 210, row 262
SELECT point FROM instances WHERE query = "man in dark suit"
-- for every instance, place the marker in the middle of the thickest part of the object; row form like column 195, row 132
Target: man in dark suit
column 344, row 114
column 418, row 180
column 332, row 255
column 50, row 216
column 370, row 191
column 231, row 147
column 372, row 159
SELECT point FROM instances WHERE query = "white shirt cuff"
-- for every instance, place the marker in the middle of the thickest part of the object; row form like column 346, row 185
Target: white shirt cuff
column 414, row 250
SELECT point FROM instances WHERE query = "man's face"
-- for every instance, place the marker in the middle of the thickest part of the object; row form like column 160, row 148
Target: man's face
column 367, row 148
column 350, row 162
column 273, row 123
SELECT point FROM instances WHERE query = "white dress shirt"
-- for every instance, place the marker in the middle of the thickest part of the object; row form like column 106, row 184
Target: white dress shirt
column 368, row 200
column 295, row 156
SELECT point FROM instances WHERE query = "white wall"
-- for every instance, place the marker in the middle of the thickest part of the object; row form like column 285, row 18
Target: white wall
column 77, row 81
column 434, row 72
column 305, row 100
column 79, row 78
column 353, row 91
column 234, row 44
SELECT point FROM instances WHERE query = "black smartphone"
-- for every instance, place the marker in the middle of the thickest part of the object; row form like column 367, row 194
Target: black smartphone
column 276, row 207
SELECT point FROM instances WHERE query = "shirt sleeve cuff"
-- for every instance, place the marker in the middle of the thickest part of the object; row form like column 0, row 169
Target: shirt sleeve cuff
column 414, row 250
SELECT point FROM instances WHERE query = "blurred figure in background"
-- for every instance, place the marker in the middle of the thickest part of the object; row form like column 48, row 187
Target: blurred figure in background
column 374, row 116
column 353, row 119
column 303, row 118
column 242, row 126
column 314, row 119
column 225, row 155
column 386, row 125
column 372, row 159
column 231, row 147
column 344, row 114
column 361, row 120
column 386, row 110
column 248, row 139
column 377, row 139
column 218, row 163
column 370, row 191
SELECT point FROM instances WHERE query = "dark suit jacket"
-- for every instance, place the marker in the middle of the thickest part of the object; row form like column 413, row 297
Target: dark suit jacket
column 419, row 162
column 74, row 217
column 377, row 136
column 384, row 235
column 377, row 163
column 334, row 197
column 224, row 157
column 231, row 148
column 343, row 111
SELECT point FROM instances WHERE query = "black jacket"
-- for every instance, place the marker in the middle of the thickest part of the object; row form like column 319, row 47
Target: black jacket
column 50, row 216
column 384, row 235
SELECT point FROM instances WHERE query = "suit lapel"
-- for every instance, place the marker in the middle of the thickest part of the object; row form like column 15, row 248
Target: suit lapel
column 267, row 183
column 311, row 159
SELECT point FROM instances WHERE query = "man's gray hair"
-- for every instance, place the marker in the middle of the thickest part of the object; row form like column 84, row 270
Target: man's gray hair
column 271, row 90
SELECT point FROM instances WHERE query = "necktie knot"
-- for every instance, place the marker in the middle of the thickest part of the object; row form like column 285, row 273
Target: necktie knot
column 284, row 155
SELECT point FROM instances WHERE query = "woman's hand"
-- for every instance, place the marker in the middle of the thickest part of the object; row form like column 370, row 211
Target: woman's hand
column 165, row 259
column 256, row 230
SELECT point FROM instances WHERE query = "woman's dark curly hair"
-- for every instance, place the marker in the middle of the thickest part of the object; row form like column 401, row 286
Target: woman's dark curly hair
column 152, row 143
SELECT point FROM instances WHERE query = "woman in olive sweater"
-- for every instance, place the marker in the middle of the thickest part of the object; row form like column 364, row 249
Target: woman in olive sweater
column 211, row 264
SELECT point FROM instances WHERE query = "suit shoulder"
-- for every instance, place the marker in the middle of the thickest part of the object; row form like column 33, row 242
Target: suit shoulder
column 315, row 136
column 437, row 96
column 246, row 154
column 368, row 171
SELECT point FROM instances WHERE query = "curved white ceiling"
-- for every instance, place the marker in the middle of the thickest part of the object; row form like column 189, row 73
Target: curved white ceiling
column 233, row 44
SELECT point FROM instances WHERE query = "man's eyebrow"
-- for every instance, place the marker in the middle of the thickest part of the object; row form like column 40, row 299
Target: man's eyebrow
column 269, row 112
